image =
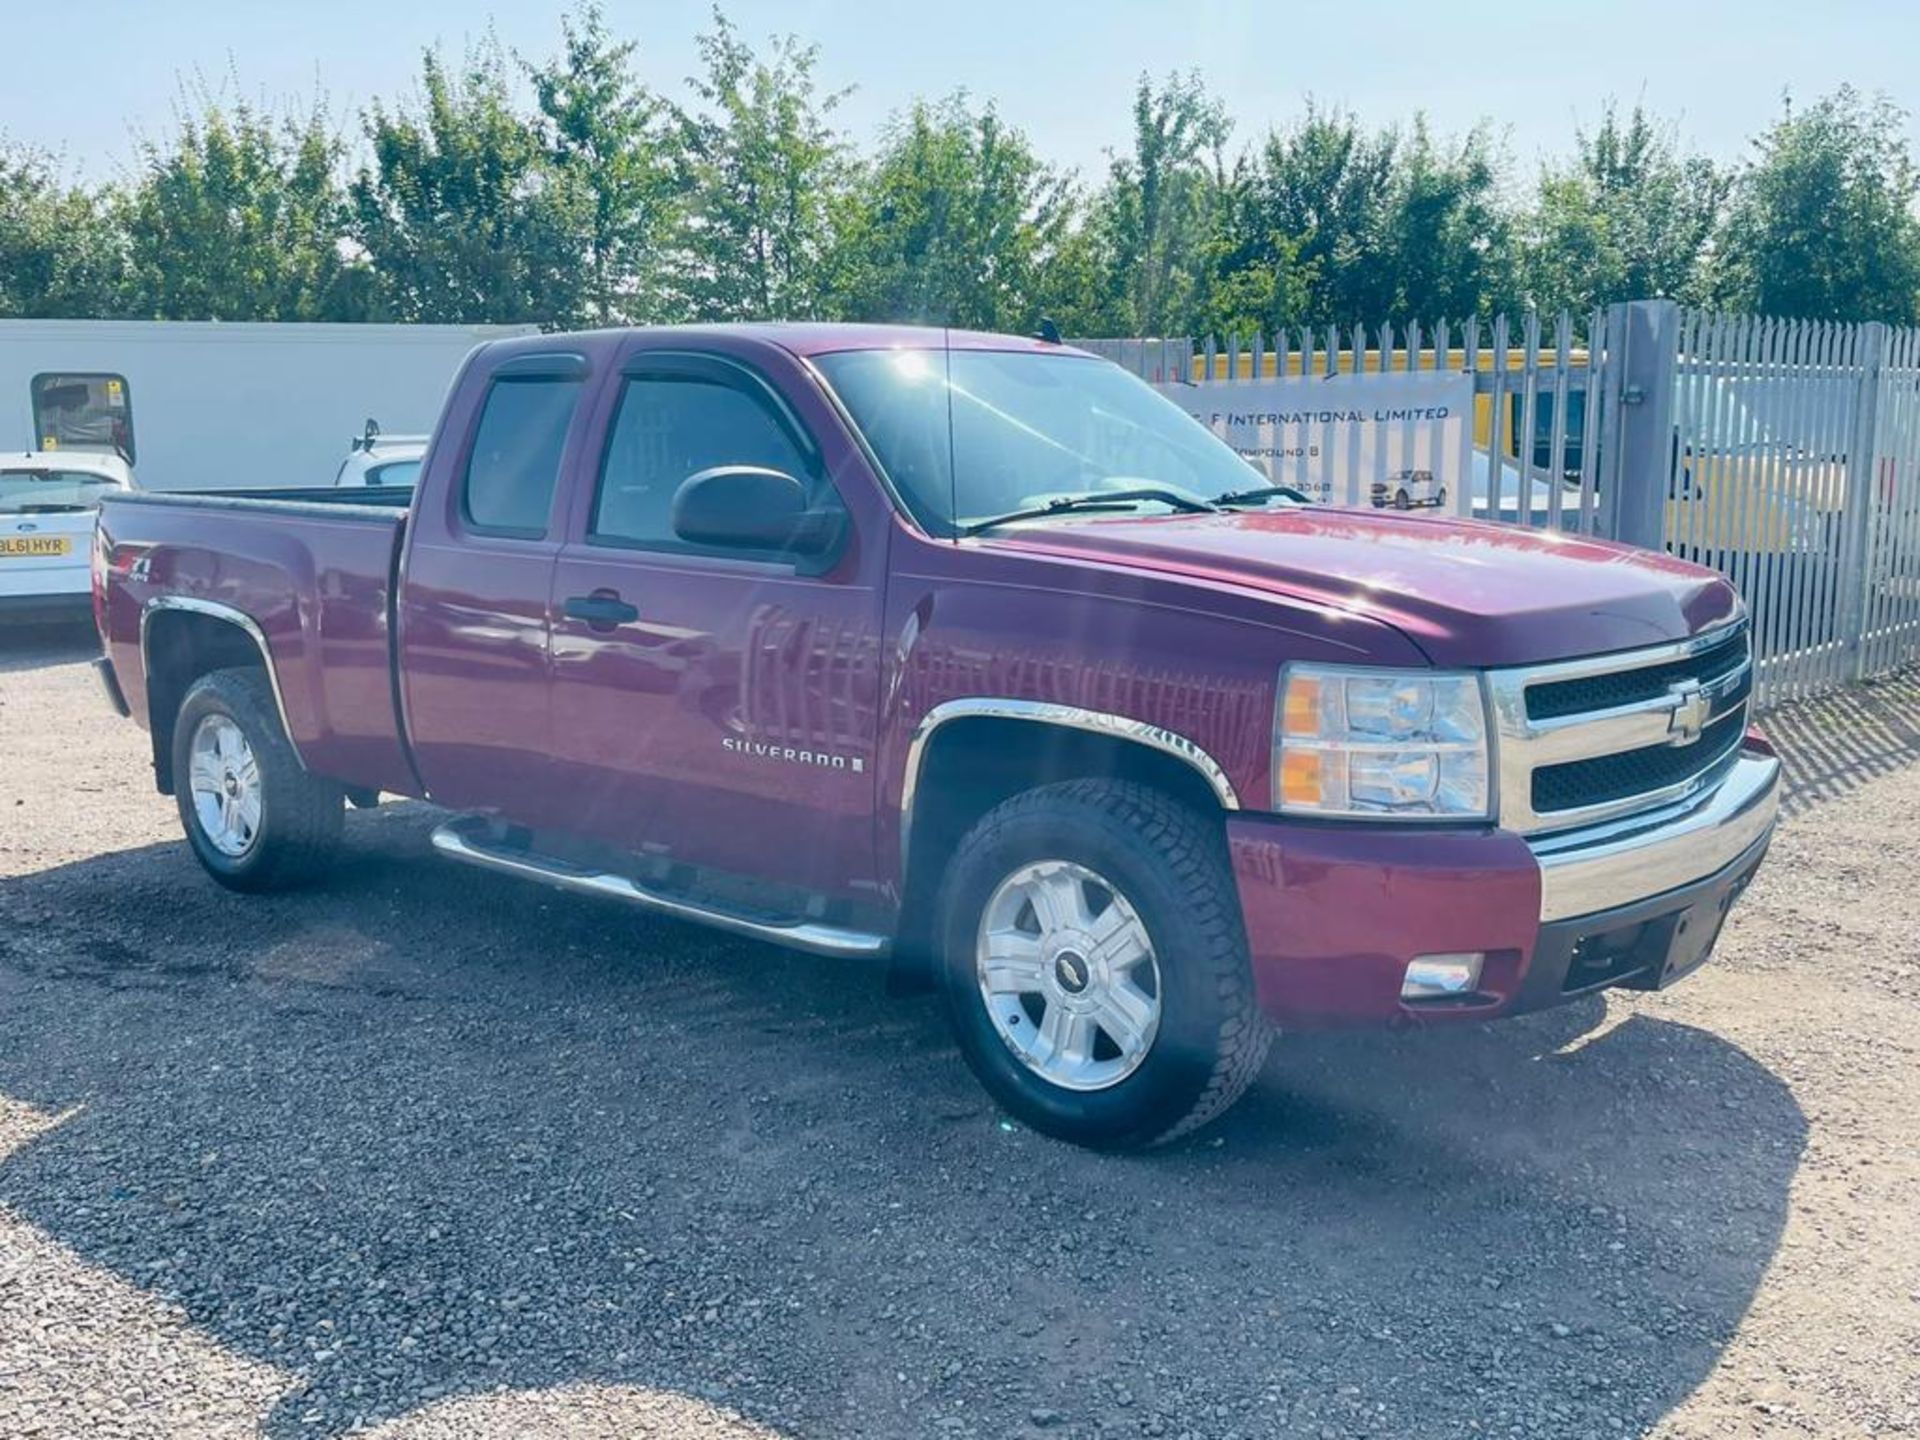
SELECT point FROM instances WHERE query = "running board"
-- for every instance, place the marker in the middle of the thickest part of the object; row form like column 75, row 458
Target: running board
column 465, row 840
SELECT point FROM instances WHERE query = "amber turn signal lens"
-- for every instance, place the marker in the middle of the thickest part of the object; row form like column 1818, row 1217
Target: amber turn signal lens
column 1300, row 777
column 1300, row 716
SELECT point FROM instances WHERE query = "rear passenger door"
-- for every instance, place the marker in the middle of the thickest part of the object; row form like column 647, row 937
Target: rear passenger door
column 714, row 706
column 473, row 597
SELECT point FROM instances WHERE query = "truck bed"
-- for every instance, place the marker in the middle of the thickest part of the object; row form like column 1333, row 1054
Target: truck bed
column 312, row 571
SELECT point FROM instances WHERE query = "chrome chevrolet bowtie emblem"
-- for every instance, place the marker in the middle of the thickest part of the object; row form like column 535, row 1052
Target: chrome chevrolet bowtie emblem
column 1691, row 709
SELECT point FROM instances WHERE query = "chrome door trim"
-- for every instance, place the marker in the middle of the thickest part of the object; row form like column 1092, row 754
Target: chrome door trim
column 227, row 613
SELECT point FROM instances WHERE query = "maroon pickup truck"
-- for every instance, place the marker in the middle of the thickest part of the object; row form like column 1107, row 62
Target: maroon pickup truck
column 975, row 654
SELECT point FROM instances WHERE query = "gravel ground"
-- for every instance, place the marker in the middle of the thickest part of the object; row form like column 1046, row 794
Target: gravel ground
column 429, row 1153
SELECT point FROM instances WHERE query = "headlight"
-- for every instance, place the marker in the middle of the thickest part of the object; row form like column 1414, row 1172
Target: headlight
column 1380, row 744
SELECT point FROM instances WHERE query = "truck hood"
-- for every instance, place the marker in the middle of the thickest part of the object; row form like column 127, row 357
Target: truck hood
column 1467, row 593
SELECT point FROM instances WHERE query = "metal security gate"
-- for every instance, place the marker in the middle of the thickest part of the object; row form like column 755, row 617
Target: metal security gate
column 1795, row 450
column 1783, row 453
column 1535, row 434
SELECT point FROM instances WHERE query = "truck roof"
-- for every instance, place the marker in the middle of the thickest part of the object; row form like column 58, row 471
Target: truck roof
column 807, row 337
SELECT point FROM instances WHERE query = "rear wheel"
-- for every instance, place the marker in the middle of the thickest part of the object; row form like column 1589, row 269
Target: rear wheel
column 1095, row 966
column 255, row 819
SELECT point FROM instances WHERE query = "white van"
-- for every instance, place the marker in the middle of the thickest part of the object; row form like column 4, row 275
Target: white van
column 204, row 405
column 47, row 501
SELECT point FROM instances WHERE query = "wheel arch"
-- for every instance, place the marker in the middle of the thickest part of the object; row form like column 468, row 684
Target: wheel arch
column 183, row 638
column 967, row 756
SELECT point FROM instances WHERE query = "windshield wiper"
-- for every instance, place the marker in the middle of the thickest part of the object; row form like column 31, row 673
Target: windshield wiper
column 1263, row 492
column 1095, row 500
column 50, row 508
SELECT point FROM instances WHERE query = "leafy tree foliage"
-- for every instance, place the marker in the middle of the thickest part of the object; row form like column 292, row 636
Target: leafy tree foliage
column 1159, row 202
column 564, row 191
column 457, row 212
column 1628, row 218
column 609, row 145
column 1823, row 222
column 767, row 169
column 62, row 248
column 238, row 216
column 955, row 223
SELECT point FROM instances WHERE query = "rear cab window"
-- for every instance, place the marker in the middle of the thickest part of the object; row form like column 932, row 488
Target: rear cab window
column 83, row 411
column 517, row 448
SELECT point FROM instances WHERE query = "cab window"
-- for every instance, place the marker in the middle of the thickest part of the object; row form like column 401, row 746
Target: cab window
column 670, row 427
column 75, row 411
column 515, row 463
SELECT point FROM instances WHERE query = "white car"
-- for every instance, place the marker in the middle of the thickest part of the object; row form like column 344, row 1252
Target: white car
column 376, row 459
column 47, row 501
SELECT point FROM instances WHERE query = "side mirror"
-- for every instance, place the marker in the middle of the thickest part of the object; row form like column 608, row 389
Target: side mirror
column 749, row 507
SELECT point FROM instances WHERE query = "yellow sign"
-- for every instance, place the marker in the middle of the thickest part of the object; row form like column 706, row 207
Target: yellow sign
column 17, row 547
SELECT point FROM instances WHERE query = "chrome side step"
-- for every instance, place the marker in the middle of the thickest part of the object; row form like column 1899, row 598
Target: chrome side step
column 464, row 840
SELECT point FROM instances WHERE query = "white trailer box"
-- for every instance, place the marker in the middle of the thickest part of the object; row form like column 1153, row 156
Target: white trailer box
column 214, row 406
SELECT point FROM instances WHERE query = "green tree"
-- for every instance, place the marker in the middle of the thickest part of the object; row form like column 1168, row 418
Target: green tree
column 1330, row 224
column 1158, row 207
column 1628, row 217
column 457, row 210
column 611, row 148
column 1307, row 230
column 1822, row 223
column 62, row 251
column 236, row 215
column 767, row 171
column 952, row 224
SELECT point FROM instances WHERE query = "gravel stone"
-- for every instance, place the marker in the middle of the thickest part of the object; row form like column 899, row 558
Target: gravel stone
column 424, row 1153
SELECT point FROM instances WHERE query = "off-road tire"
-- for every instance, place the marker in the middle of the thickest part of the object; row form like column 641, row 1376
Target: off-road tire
column 301, row 814
column 1171, row 864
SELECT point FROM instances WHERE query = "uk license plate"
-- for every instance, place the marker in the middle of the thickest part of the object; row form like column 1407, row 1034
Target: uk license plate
column 34, row 547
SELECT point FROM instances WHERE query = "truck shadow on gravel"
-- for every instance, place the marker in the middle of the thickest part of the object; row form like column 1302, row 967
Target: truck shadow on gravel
column 425, row 1134
column 41, row 646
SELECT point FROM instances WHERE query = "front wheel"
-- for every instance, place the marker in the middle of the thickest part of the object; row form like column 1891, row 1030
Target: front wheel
column 255, row 819
column 1095, row 964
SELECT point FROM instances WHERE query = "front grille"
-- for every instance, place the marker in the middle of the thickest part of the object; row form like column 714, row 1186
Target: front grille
column 1607, row 778
column 1630, row 687
column 1583, row 741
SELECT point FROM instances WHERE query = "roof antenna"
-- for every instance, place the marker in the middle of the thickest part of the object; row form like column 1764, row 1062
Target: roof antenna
column 1048, row 333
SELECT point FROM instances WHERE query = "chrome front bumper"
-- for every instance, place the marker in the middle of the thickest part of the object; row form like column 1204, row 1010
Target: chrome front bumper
column 1602, row 867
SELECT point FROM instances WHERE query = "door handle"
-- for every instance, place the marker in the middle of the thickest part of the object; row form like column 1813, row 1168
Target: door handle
column 602, row 610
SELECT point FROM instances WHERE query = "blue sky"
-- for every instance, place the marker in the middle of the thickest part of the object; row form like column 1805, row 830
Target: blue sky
column 82, row 77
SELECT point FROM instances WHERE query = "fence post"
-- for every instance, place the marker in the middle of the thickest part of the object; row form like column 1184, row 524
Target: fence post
column 1856, row 571
column 1642, row 361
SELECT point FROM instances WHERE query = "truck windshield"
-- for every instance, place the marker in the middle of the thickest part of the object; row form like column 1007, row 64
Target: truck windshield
column 25, row 492
column 1027, row 428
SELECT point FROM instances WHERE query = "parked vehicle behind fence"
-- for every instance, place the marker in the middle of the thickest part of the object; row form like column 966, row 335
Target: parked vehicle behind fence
column 377, row 459
column 47, row 504
column 973, row 654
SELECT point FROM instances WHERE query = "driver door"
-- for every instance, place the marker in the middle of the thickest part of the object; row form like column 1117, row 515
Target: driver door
column 714, row 706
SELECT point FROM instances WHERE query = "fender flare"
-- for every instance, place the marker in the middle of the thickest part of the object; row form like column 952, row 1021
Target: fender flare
column 1047, row 712
column 228, row 614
